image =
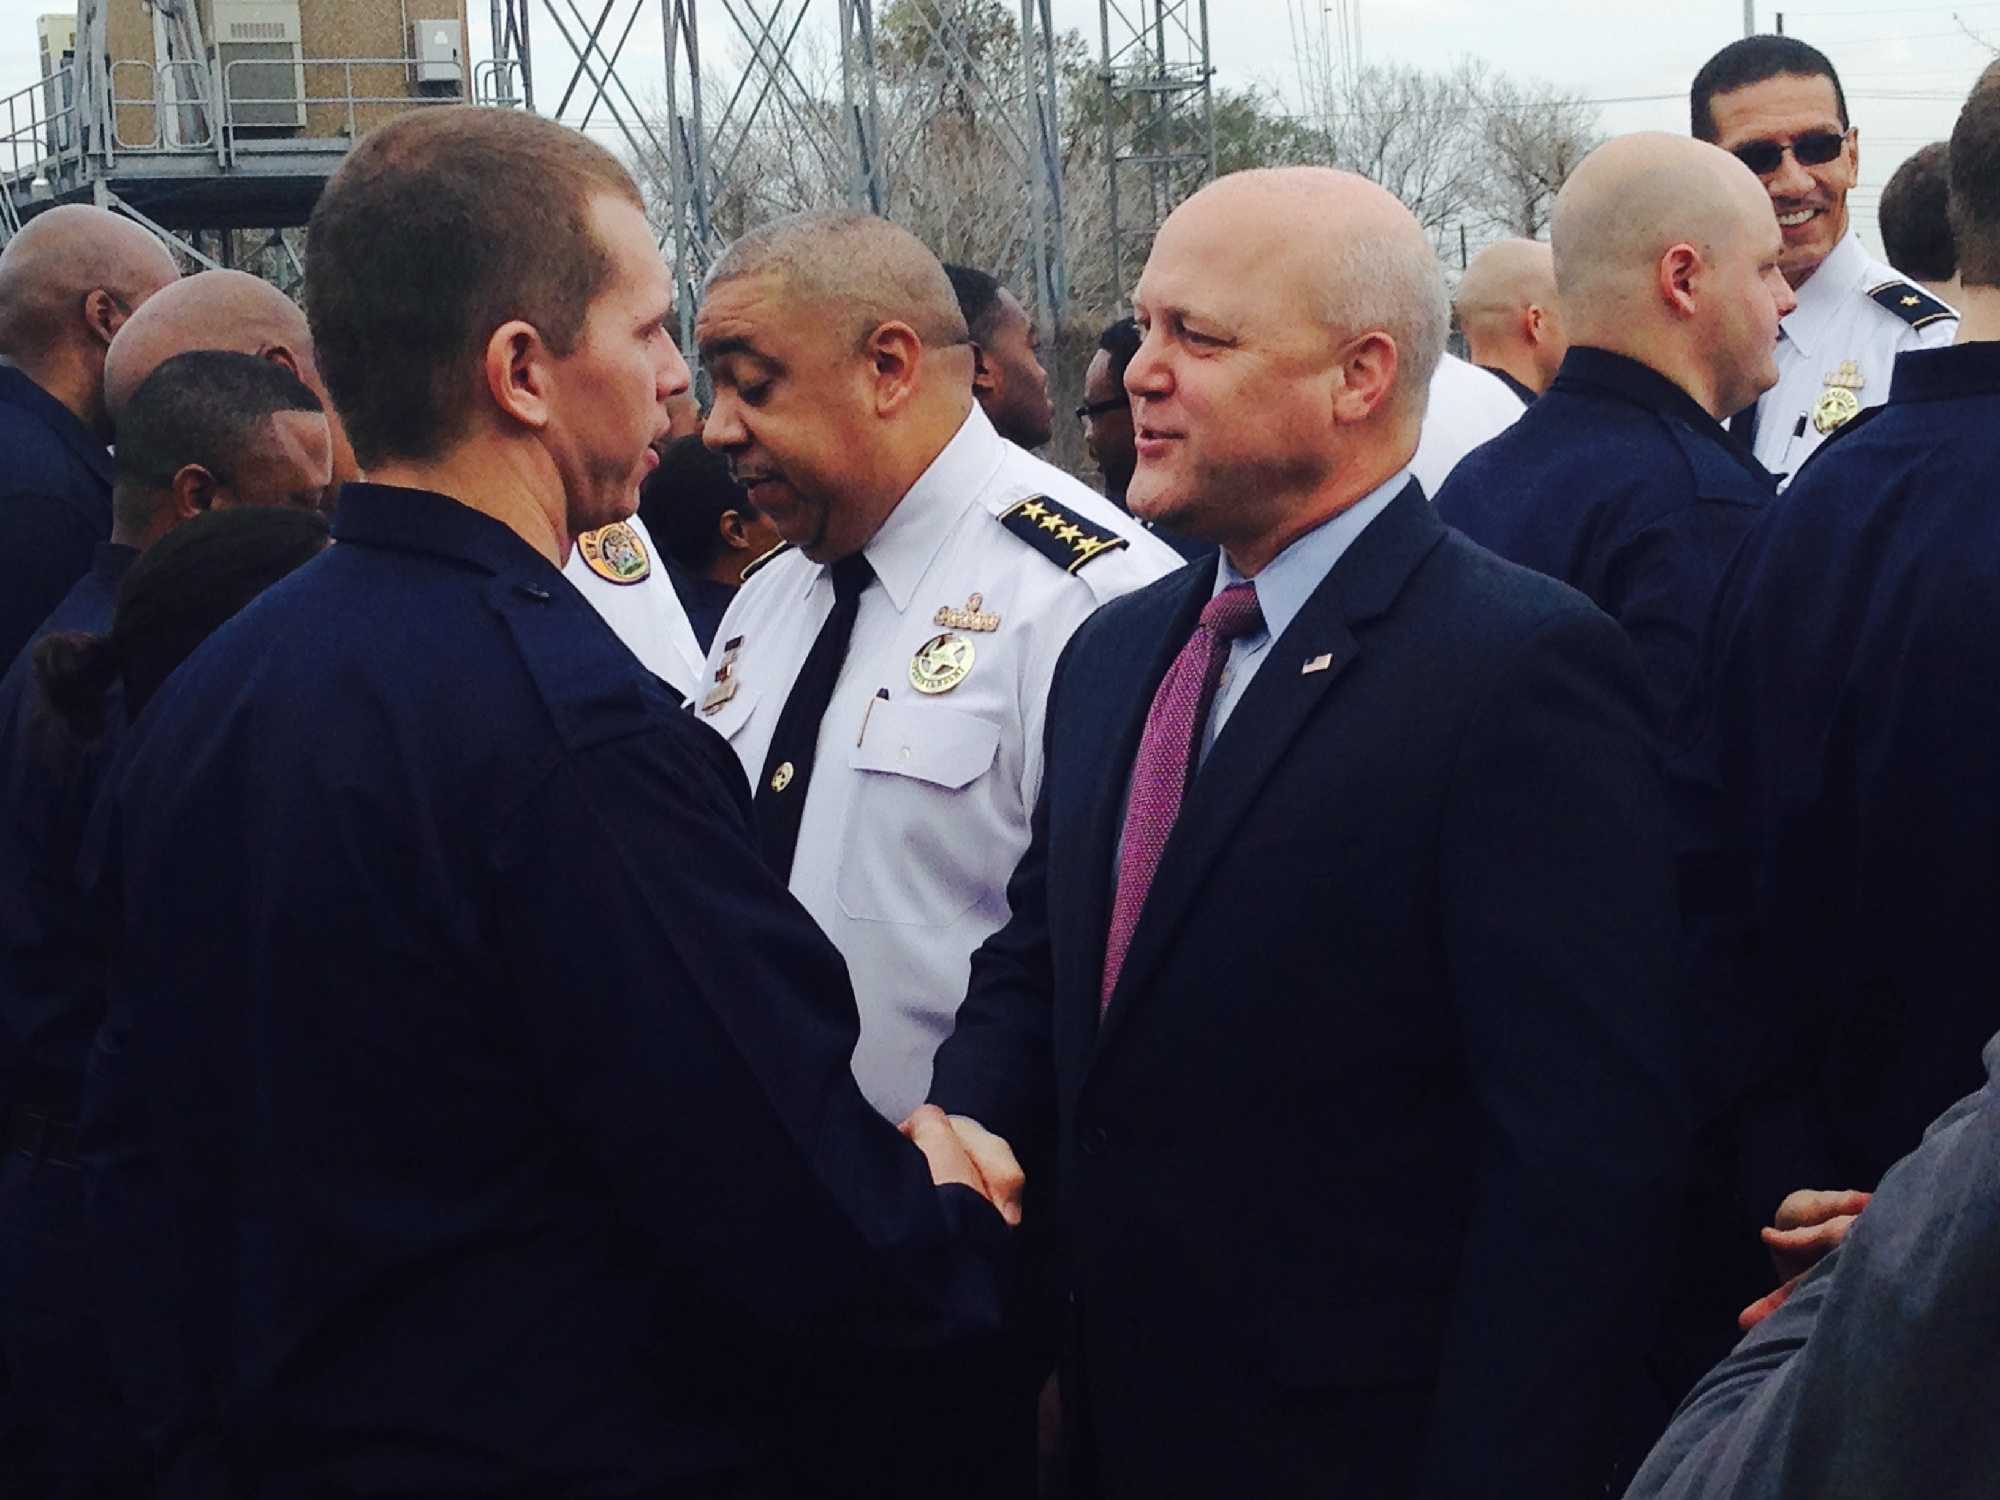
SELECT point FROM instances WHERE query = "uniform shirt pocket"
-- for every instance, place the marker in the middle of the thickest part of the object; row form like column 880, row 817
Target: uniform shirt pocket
column 918, row 850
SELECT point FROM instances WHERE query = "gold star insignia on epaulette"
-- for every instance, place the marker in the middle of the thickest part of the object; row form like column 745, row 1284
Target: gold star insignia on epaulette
column 1910, row 302
column 1059, row 534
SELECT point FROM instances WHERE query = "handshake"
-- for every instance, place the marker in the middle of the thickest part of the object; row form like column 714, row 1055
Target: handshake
column 961, row 1150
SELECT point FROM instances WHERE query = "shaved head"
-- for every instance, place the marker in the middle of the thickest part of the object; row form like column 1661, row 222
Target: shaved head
column 1505, row 278
column 61, row 256
column 872, row 271
column 1507, row 309
column 1666, row 251
column 226, row 310
column 68, row 282
column 1631, row 200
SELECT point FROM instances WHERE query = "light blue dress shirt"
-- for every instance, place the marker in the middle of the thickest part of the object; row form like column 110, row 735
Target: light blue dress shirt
column 1283, row 587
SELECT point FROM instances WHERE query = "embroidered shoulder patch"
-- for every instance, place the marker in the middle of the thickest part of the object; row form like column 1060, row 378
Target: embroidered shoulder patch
column 1061, row 535
column 755, row 563
column 1912, row 304
column 615, row 554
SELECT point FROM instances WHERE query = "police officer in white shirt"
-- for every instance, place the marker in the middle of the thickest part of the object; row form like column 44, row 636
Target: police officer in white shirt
column 1777, row 104
column 883, row 676
column 618, row 569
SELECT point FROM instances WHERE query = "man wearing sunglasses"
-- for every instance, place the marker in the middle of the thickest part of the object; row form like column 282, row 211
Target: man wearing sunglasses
column 1777, row 105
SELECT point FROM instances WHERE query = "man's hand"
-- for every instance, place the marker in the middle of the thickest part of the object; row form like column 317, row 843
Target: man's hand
column 962, row 1150
column 1805, row 1230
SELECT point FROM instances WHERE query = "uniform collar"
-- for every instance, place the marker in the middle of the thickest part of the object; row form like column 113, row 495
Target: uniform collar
column 1637, row 382
column 407, row 520
column 905, row 545
column 1645, row 387
column 17, row 389
column 1825, row 291
column 1947, row 374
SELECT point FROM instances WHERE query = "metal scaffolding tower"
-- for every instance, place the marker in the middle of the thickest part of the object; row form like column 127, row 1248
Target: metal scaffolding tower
column 701, row 164
column 1159, row 119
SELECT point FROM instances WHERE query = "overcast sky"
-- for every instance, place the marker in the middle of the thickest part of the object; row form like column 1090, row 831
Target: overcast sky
column 1906, row 68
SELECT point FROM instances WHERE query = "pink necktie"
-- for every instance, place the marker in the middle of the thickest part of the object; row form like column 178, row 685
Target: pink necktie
column 1166, row 750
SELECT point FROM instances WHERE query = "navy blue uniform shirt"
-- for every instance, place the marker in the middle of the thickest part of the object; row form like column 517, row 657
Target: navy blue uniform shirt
column 55, row 504
column 50, row 947
column 1619, row 484
column 1848, row 723
column 473, row 1104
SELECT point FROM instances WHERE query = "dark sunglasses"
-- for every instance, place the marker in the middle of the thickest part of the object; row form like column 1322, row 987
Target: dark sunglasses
column 1815, row 150
column 1098, row 408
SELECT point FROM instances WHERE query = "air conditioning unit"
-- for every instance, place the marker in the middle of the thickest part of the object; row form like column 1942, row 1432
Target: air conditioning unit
column 256, row 49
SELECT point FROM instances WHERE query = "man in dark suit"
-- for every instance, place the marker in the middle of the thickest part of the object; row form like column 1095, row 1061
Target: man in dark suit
column 1334, row 994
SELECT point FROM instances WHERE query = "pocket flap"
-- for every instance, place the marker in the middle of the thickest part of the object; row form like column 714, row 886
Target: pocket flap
column 930, row 742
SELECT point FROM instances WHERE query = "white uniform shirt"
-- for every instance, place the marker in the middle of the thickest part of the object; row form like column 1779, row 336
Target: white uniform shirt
column 619, row 571
column 918, row 807
column 1468, row 406
column 1838, row 322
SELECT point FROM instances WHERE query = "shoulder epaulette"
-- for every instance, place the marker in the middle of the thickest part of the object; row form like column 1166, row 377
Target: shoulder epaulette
column 1912, row 304
column 1059, row 534
column 758, row 562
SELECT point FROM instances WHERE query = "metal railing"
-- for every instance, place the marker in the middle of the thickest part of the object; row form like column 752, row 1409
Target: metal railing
column 37, row 141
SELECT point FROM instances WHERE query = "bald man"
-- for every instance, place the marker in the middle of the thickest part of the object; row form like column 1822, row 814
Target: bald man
column 1334, row 985
column 232, row 311
column 1506, row 307
column 1622, row 481
column 68, row 281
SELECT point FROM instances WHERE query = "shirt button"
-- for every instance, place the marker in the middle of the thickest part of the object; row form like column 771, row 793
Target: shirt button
column 1095, row 1141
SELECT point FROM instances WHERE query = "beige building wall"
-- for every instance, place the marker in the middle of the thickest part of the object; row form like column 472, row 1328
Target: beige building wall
column 328, row 29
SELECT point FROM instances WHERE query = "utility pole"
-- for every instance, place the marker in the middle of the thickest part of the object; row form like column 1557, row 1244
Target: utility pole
column 1781, row 23
column 1749, row 17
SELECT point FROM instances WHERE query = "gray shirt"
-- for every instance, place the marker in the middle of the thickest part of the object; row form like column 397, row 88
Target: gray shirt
column 1880, row 1378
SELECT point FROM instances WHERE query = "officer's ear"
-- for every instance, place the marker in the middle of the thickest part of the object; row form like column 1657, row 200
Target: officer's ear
column 735, row 535
column 104, row 314
column 518, row 369
column 194, row 490
column 896, row 355
column 984, row 380
column 1678, row 270
column 282, row 357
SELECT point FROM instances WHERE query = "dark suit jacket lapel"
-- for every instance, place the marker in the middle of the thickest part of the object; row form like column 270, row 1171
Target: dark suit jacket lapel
column 1125, row 720
column 1278, row 704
